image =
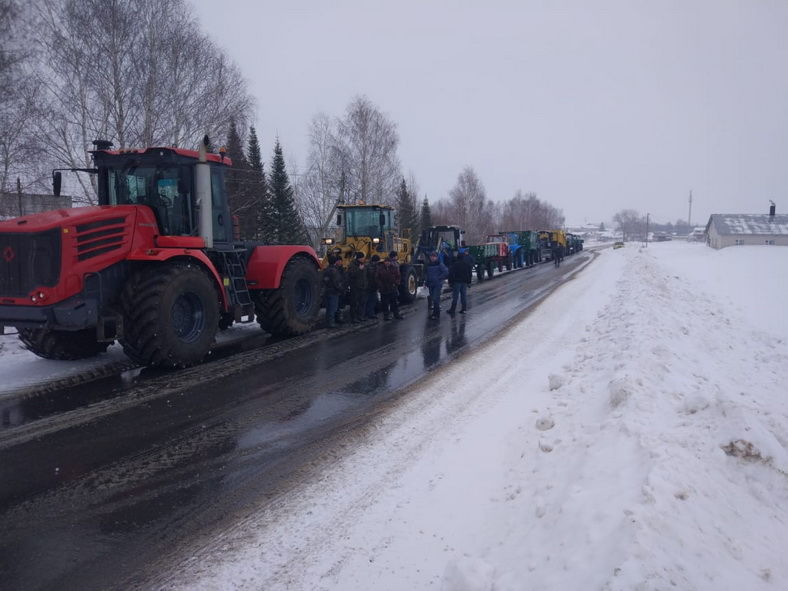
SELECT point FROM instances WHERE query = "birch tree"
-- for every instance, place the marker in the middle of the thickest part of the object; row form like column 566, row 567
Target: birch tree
column 366, row 144
column 136, row 72
column 321, row 186
column 20, row 153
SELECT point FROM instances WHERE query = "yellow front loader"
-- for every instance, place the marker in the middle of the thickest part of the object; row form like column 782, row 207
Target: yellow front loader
column 371, row 229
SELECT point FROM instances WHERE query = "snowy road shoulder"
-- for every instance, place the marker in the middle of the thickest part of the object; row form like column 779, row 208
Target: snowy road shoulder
column 629, row 434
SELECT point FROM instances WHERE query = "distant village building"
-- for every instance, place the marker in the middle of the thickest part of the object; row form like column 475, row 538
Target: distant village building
column 14, row 205
column 726, row 229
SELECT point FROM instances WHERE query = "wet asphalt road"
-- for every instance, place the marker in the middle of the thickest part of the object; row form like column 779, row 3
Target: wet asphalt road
column 100, row 483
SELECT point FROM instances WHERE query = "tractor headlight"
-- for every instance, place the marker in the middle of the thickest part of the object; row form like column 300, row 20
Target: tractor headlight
column 376, row 241
column 328, row 241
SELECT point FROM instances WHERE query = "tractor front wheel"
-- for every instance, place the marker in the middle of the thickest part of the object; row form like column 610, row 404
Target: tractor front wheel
column 63, row 345
column 171, row 315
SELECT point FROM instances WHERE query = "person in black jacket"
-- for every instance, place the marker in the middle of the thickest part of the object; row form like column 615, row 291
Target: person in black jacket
column 357, row 282
column 371, row 270
column 460, row 277
column 334, row 288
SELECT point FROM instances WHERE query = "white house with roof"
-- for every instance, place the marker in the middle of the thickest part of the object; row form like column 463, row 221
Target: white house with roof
column 728, row 229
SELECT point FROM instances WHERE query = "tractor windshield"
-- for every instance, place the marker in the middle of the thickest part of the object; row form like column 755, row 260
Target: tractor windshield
column 444, row 239
column 366, row 222
column 165, row 189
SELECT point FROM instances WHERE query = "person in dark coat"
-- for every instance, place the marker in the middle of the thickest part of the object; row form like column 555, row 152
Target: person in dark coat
column 334, row 288
column 558, row 253
column 388, row 285
column 357, row 282
column 371, row 270
column 460, row 277
column 467, row 252
column 435, row 275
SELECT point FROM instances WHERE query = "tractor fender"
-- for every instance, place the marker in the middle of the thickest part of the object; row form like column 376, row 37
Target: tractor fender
column 188, row 255
column 267, row 263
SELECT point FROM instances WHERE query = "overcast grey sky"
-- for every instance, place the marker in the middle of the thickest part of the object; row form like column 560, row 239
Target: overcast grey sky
column 595, row 105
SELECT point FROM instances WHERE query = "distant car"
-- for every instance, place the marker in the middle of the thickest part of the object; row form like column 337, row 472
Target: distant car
column 618, row 245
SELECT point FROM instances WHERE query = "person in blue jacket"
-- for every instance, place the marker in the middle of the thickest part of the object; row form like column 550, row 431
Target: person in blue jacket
column 437, row 273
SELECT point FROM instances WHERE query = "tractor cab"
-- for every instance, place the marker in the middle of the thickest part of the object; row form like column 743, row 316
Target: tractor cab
column 169, row 181
column 445, row 240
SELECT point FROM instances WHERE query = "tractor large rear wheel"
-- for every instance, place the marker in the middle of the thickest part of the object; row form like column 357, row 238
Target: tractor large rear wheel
column 62, row 344
column 293, row 308
column 171, row 315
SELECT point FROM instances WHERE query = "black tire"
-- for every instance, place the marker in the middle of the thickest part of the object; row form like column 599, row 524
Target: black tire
column 293, row 308
column 170, row 315
column 479, row 273
column 64, row 345
column 409, row 285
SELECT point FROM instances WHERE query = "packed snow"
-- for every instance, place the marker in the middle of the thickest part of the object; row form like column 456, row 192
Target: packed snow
column 631, row 433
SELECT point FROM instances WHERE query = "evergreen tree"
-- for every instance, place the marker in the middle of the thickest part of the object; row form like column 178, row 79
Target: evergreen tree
column 287, row 226
column 426, row 215
column 257, row 222
column 406, row 212
column 237, row 179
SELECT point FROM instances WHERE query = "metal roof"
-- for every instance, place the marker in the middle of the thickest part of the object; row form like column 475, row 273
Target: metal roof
column 727, row 224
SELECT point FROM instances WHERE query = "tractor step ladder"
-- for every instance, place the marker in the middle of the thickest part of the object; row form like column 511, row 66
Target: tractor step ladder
column 234, row 266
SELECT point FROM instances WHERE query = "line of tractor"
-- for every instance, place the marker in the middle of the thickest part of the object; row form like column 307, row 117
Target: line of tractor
column 156, row 265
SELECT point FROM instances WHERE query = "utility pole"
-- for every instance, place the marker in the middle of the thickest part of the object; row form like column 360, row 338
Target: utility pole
column 689, row 217
column 647, row 216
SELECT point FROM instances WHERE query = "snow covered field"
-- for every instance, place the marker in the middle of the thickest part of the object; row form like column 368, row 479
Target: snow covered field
column 631, row 434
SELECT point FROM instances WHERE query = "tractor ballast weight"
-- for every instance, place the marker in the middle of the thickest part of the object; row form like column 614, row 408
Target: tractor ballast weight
column 154, row 266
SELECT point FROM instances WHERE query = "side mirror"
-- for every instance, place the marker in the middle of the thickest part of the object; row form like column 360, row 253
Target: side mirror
column 57, row 180
column 382, row 220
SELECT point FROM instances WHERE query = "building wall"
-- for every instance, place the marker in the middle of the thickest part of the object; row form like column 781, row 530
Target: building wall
column 718, row 241
column 10, row 204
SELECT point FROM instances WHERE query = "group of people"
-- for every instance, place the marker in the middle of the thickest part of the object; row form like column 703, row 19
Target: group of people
column 361, row 283
column 459, row 273
column 364, row 281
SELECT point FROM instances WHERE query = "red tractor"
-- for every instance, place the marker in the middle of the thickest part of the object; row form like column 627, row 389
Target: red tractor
column 155, row 265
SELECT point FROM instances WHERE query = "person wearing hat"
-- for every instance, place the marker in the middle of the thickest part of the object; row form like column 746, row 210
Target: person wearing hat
column 460, row 277
column 357, row 281
column 436, row 273
column 333, row 288
column 371, row 269
column 388, row 278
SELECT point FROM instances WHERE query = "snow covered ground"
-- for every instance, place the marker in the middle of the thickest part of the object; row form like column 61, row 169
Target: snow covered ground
column 630, row 434
column 21, row 370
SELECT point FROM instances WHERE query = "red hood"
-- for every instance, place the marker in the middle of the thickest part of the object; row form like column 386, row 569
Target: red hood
column 38, row 222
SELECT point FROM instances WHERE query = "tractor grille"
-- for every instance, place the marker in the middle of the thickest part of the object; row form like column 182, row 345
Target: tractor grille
column 97, row 238
column 28, row 261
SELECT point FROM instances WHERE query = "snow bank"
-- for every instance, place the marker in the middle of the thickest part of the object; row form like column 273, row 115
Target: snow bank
column 641, row 444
